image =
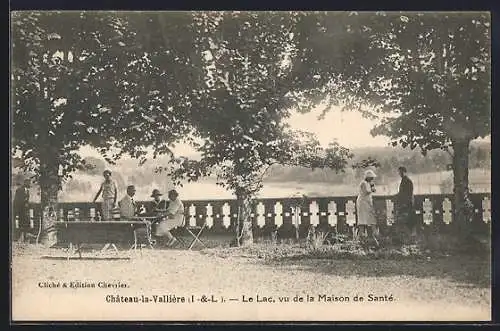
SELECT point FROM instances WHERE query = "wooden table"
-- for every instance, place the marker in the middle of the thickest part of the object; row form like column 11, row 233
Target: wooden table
column 108, row 233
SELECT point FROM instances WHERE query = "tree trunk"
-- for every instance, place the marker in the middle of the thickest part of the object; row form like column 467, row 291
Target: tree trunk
column 49, row 187
column 462, row 204
column 244, row 234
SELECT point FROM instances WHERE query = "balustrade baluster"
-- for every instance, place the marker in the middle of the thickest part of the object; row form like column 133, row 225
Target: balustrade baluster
column 332, row 211
column 351, row 215
column 314, row 213
column 192, row 215
column 261, row 214
column 447, row 211
column 209, row 213
column 226, row 211
column 278, row 212
column 427, row 211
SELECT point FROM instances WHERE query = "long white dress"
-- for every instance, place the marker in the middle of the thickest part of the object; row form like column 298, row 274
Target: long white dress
column 364, row 205
column 175, row 211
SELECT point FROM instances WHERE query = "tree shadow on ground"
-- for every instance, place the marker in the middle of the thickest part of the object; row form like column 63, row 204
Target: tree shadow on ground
column 470, row 272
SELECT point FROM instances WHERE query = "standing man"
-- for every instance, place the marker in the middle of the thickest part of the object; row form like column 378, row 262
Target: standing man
column 404, row 203
column 21, row 209
column 108, row 190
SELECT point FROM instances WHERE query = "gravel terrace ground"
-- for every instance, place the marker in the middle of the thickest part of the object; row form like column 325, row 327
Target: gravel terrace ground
column 446, row 289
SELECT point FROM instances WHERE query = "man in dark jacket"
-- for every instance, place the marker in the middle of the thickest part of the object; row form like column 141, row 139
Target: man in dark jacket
column 21, row 208
column 404, row 202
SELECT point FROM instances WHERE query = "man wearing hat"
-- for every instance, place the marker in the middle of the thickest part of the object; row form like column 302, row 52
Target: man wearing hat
column 109, row 193
column 364, row 203
column 128, row 206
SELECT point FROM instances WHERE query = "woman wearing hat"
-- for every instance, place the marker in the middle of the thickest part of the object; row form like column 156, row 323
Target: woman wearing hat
column 364, row 203
column 109, row 193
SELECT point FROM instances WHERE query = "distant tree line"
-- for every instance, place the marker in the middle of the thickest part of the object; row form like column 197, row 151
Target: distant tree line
column 389, row 160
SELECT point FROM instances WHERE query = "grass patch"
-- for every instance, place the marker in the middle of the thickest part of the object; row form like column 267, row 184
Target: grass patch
column 346, row 250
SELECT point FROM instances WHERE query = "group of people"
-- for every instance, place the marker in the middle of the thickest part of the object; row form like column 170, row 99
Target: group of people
column 170, row 213
column 167, row 214
column 367, row 220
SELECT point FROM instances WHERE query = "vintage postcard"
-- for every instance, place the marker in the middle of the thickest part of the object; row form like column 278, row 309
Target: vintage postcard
column 250, row 166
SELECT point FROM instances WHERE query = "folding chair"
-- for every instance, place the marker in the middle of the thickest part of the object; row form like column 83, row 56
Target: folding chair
column 194, row 231
column 143, row 236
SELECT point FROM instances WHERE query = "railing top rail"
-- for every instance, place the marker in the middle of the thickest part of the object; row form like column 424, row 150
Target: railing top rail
column 308, row 198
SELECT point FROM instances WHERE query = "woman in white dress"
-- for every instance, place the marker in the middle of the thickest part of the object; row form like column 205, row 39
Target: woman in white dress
column 174, row 218
column 364, row 204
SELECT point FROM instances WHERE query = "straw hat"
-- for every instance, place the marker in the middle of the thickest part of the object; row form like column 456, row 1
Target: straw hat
column 370, row 174
column 155, row 193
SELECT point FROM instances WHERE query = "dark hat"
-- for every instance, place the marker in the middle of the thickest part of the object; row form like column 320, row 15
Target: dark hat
column 155, row 193
column 106, row 172
column 131, row 187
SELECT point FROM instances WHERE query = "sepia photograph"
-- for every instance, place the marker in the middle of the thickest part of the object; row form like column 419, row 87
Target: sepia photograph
column 258, row 166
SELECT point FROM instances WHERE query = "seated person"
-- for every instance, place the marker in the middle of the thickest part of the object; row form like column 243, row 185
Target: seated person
column 128, row 208
column 174, row 218
column 158, row 206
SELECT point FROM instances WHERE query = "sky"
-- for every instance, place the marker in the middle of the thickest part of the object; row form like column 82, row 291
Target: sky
column 349, row 128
